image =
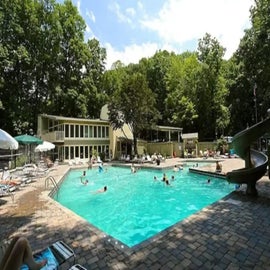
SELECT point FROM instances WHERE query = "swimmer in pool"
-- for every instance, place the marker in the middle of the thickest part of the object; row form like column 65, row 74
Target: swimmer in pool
column 84, row 182
column 167, row 182
column 104, row 189
column 164, row 178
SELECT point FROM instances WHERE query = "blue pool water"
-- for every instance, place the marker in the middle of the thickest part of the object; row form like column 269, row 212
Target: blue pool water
column 136, row 207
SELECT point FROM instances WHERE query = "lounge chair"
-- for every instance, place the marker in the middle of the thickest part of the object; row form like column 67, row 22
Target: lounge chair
column 15, row 179
column 9, row 188
column 57, row 254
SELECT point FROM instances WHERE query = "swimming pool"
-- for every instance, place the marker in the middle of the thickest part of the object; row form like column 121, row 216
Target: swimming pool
column 136, row 207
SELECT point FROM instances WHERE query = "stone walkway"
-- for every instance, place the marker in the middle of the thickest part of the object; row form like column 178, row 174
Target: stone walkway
column 232, row 233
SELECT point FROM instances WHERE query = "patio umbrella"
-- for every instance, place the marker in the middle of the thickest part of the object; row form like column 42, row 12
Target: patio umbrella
column 7, row 141
column 28, row 139
column 45, row 146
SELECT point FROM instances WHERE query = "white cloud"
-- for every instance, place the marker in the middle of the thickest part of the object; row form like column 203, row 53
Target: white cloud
column 134, row 53
column 91, row 15
column 122, row 17
column 131, row 12
column 180, row 21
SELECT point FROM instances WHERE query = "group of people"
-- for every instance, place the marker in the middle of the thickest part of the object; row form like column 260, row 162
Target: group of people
column 85, row 182
column 165, row 179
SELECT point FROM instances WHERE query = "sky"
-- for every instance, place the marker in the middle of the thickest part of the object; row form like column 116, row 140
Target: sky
column 133, row 29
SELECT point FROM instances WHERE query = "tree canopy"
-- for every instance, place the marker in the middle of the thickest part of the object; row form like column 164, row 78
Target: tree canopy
column 46, row 66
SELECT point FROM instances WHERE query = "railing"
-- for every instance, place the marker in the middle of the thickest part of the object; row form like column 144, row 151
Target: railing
column 54, row 136
column 51, row 180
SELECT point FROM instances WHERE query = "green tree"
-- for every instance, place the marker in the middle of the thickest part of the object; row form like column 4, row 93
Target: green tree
column 211, row 92
column 181, row 91
column 254, row 66
column 156, row 72
column 45, row 65
column 133, row 104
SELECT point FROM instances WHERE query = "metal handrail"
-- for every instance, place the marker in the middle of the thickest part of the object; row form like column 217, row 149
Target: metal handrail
column 53, row 181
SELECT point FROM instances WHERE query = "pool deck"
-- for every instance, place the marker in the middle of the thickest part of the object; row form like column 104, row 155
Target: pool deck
column 232, row 233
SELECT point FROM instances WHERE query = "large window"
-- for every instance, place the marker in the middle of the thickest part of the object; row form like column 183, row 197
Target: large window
column 72, row 131
column 66, row 152
column 86, row 152
column 90, row 132
column 99, row 132
column 85, row 131
column 77, row 151
column 77, row 131
column 71, row 152
column 81, row 131
column 86, row 128
column 66, row 131
column 81, row 152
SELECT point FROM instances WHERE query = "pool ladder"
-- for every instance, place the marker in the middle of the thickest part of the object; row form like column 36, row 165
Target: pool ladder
column 52, row 180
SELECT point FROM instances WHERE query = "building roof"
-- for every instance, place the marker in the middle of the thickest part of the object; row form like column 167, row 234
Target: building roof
column 167, row 128
column 75, row 119
column 190, row 135
column 124, row 133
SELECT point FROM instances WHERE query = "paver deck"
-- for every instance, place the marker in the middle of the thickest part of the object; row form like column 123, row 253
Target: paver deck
column 232, row 233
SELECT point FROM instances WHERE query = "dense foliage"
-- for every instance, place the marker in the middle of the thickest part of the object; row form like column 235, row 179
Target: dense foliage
column 46, row 66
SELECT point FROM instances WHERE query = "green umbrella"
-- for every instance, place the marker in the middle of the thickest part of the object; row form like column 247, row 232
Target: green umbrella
column 28, row 139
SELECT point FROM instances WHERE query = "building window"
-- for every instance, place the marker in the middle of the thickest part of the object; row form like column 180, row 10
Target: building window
column 86, row 131
column 77, row 131
column 66, row 131
column 95, row 132
column 90, row 132
column 81, row 152
column 66, row 152
column 103, row 132
column 81, row 131
column 86, row 152
column 77, row 151
column 99, row 132
column 71, row 152
column 107, row 132
column 72, row 131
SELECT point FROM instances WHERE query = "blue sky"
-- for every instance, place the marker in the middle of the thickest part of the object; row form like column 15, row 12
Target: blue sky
column 130, row 29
